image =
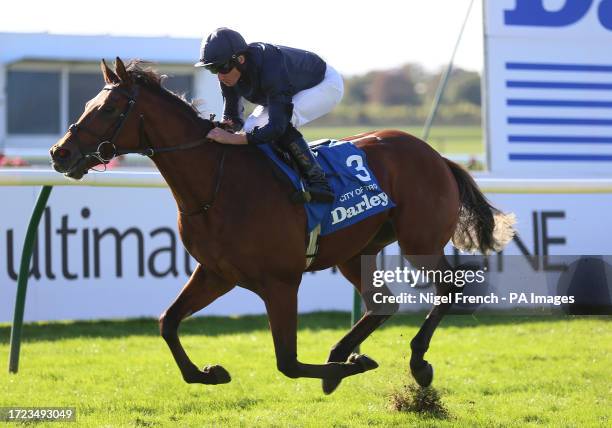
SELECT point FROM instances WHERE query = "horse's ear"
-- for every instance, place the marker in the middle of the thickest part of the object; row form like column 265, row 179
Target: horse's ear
column 120, row 70
column 109, row 75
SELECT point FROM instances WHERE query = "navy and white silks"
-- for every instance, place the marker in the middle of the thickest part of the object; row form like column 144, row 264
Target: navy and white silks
column 287, row 84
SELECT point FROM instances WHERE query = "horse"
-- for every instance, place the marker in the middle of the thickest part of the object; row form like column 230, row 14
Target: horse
column 235, row 218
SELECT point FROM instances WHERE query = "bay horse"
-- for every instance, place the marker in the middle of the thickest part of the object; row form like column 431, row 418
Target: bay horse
column 235, row 218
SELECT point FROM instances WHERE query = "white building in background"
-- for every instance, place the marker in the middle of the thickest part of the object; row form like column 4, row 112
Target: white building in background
column 45, row 80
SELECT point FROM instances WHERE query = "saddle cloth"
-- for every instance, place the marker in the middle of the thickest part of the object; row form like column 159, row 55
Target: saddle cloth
column 358, row 195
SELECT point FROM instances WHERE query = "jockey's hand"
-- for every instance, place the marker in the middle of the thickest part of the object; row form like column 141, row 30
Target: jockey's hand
column 227, row 124
column 221, row 136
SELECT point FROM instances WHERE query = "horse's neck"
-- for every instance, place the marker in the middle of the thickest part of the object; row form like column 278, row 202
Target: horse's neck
column 190, row 174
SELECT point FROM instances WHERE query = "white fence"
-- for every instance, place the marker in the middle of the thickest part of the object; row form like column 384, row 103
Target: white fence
column 488, row 184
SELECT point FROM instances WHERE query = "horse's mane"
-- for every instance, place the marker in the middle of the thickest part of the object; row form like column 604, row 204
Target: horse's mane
column 144, row 75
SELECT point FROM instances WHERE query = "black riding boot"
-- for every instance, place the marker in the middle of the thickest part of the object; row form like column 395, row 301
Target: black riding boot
column 318, row 186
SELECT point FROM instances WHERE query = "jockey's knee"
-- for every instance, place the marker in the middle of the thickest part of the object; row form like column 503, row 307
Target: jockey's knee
column 289, row 367
column 290, row 135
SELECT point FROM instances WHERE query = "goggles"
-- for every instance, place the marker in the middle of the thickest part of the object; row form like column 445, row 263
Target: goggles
column 220, row 68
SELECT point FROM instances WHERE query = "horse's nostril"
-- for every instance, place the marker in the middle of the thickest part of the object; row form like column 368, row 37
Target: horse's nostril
column 61, row 153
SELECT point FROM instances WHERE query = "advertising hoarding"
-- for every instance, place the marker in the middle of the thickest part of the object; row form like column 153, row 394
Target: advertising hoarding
column 115, row 252
column 548, row 77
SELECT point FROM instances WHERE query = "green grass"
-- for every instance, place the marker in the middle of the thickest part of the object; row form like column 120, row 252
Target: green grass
column 490, row 371
column 445, row 139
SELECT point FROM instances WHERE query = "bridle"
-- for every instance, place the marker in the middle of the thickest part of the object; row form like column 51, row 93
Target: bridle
column 104, row 155
column 106, row 149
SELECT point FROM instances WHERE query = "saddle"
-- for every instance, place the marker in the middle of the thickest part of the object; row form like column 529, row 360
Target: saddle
column 345, row 165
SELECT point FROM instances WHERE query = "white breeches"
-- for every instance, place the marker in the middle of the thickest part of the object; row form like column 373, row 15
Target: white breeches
column 308, row 104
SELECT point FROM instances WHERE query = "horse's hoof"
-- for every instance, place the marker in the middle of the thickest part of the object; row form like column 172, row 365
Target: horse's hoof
column 365, row 362
column 330, row 385
column 362, row 360
column 216, row 375
column 423, row 375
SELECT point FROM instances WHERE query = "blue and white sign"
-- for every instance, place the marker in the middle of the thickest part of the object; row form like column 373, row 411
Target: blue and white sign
column 549, row 86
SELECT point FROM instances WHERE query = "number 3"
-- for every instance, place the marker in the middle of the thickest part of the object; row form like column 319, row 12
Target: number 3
column 364, row 175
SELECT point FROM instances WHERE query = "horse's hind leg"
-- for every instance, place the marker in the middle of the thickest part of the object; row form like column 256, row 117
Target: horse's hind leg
column 352, row 270
column 280, row 298
column 202, row 289
column 421, row 370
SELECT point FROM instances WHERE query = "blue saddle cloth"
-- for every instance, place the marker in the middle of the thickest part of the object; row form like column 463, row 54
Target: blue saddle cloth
column 358, row 195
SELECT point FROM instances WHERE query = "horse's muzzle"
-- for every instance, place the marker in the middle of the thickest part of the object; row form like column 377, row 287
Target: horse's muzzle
column 68, row 162
column 60, row 158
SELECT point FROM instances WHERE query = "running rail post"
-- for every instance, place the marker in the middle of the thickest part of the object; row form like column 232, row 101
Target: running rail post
column 356, row 312
column 22, row 279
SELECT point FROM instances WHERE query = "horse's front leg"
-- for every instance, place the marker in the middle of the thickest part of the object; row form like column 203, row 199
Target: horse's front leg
column 281, row 303
column 202, row 289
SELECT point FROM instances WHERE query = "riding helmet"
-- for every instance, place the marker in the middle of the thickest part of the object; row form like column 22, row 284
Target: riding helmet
column 220, row 46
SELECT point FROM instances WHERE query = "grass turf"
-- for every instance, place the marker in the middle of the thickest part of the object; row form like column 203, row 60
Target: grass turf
column 489, row 371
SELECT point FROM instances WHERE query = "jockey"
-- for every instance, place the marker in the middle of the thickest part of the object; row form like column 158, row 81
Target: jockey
column 291, row 87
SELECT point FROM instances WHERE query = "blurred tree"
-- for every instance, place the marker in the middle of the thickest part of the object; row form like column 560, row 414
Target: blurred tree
column 469, row 90
column 356, row 88
column 393, row 88
column 404, row 95
column 463, row 87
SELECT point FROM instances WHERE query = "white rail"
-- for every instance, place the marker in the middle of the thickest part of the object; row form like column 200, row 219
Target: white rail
column 544, row 185
column 39, row 177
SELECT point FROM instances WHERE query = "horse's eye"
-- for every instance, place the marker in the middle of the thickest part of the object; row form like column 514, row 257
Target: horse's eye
column 108, row 109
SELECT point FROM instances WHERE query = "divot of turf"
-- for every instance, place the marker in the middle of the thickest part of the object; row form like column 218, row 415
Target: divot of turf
column 416, row 399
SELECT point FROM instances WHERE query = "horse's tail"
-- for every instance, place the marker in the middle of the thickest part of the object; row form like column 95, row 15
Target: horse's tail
column 481, row 226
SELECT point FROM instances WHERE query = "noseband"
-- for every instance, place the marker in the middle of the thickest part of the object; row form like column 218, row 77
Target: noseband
column 106, row 149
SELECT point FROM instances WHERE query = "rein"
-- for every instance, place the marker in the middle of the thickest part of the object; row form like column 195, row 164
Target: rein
column 209, row 204
column 107, row 150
